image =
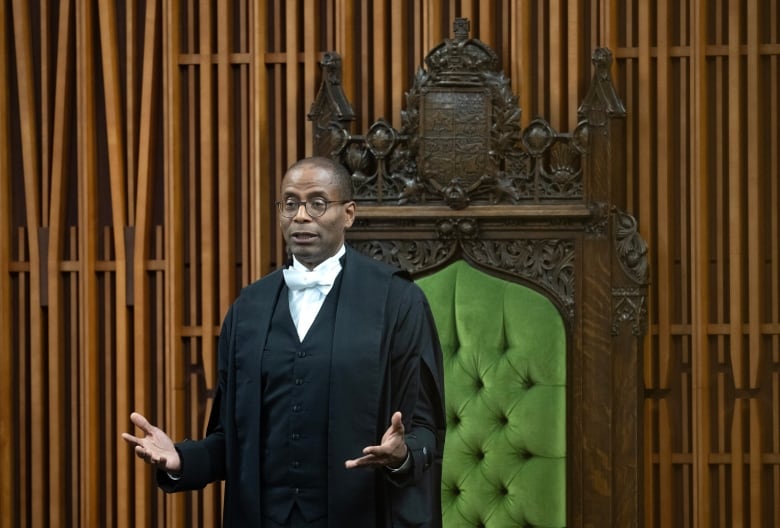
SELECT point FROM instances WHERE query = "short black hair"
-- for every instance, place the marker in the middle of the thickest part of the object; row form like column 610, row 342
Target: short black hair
column 336, row 169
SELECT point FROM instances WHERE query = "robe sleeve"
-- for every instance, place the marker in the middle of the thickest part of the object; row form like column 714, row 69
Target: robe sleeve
column 417, row 388
column 203, row 461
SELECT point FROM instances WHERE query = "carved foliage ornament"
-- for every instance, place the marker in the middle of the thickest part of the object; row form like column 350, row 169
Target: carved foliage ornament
column 630, row 246
column 629, row 304
column 547, row 263
column 460, row 141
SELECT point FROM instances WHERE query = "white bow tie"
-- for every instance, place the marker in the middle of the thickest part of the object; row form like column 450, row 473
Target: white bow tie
column 301, row 280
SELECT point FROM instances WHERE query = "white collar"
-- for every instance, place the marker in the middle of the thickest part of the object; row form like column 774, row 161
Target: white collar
column 329, row 264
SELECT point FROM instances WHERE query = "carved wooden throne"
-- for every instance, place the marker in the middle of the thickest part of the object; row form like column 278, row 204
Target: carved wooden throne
column 461, row 182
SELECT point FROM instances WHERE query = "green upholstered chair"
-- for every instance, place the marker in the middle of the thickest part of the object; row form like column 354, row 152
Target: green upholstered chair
column 504, row 348
column 535, row 274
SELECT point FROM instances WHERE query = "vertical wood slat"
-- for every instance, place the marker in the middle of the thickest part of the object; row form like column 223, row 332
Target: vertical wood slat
column 117, row 150
column 160, row 361
column 129, row 103
column 554, row 63
column 735, row 191
column 310, row 66
column 487, row 22
column 29, row 144
column 432, row 16
column 661, row 258
column 73, row 370
column 504, row 23
column 522, row 80
column 244, row 140
column 8, row 504
column 204, row 210
column 719, row 348
column 608, row 22
column 58, row 397
column 687, row 470
column 418, row 31
column 574, row 74
column 736, row 247
column 44, row 34
column 663, row 169
column 685, row 231
column 175, row 373
column 261, row 173
column 280, row 120
column 467, row 10
column 378, row 80
column 754, row 260
column 89, row 380
column 700, row 265
column 23, row 379
column 279, row 117
column 138, row 473
column 210, row 194
column 345, row 41
column 773, row 74
column 630, row 68
column 291, row 77
column 399, row 65
column 364, row 67
column 542, row 59
column 754, row 186
column 226, row 226
column 255, row 161
column 189, row 345
column 105, row 369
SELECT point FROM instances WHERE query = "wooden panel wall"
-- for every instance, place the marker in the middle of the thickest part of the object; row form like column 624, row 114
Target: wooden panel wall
column 132, row 212
column 141, row 143
column 701, row 84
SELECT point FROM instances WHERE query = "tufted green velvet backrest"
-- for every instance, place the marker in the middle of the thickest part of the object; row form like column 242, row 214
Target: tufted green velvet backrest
column 504, row 348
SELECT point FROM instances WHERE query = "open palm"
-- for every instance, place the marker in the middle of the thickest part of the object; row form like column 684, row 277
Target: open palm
column 390, row 453
column 155, row 447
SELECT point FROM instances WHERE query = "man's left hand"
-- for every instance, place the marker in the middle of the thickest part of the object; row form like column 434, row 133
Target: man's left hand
column 391, row 453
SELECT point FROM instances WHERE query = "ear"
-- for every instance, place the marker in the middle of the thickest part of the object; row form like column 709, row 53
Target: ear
column 349, row 212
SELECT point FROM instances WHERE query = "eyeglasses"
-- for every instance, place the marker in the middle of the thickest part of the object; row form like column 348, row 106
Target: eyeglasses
column 315, row 207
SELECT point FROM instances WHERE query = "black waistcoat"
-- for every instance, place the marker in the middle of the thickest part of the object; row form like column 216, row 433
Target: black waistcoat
column 294, row 421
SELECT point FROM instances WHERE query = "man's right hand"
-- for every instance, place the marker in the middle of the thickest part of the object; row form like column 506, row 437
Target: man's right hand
column 155, row 447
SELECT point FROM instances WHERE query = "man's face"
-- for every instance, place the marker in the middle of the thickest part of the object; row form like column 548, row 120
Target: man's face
column 313, row 240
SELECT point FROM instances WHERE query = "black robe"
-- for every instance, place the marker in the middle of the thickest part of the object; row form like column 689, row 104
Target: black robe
column 386, row 358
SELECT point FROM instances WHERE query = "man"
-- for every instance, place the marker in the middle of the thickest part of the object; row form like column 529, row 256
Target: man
column 329, row 410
